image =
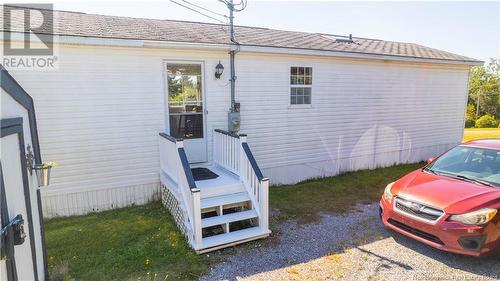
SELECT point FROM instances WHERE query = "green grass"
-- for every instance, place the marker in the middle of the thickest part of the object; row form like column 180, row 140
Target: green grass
column 481, row 133
column 138, row 242
column 125, row 244
column 306, row 200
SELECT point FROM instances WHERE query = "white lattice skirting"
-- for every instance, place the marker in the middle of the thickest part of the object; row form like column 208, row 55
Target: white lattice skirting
column 174, row 206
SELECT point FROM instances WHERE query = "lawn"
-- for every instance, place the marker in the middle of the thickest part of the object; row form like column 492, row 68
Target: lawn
column 482, row 133
column 138, row 242
column 133, row 243
column 306, row 200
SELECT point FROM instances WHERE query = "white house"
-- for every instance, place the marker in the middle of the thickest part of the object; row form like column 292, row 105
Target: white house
column 312, row 105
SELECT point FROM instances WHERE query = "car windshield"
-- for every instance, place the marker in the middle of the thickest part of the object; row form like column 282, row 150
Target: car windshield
column 479, row 165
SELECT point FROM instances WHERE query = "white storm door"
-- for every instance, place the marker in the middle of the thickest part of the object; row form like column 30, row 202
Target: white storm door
column 13, row 188
column 186, row 117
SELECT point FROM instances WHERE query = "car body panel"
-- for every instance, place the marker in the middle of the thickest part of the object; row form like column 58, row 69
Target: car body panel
column 448, row 232
column 453, row 196
column 485, row 143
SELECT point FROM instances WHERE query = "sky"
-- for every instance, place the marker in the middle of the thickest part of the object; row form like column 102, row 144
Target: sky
column 467, row 28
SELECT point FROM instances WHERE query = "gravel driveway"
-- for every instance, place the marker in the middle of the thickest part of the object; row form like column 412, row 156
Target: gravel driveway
column 352, row 246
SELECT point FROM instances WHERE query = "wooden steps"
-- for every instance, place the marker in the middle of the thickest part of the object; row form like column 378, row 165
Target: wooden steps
column 222, row 200
column 220, row 210
column 239, row 236
column 225, row 183
column 218, row 196
column 233, row 217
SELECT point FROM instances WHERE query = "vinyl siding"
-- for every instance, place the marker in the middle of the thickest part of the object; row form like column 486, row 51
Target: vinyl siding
column 100, row 113
column 349, row 101
column 363, row 114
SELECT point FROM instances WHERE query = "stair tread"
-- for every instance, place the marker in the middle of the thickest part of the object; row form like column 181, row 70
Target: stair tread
column 238, row 216
column 225, row 183
column 225, row 178
column 224, row 199
column 234, row 236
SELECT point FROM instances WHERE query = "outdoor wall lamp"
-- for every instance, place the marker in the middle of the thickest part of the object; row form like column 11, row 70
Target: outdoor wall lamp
column 219, row 69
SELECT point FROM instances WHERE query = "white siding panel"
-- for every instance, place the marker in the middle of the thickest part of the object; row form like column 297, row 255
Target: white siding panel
column 80, row 203
column 363, row 114
column 99, row 116
column 293, row 173
column 100, row 113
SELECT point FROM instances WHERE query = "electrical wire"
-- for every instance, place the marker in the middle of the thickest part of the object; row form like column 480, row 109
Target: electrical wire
column 243, row 4
column 225, row 2
column 194, row 10
column 203, row 8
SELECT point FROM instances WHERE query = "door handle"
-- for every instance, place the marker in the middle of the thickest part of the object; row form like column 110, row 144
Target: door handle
column 16, row 227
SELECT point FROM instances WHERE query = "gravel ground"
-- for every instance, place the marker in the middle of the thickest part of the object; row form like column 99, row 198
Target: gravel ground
column 352, row 246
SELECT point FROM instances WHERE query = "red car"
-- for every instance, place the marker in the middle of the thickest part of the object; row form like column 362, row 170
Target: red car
column 452, row 203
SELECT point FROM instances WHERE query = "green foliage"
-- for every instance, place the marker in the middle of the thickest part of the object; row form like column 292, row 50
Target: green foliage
column 174, row 88
column 470, row 123
column 471, row 111
column 485, row 83
column 136, row 243
column 49, row 165
column 486, row 121
column 470, row 116
column 183, row 88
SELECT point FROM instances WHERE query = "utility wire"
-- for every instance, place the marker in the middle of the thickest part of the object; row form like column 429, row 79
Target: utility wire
column 194, row 10
column 203, row 8
column 243, row 4
column 231, row 6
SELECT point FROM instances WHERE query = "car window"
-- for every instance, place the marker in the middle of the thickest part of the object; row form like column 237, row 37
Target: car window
column 476, row 163
column 477, row 155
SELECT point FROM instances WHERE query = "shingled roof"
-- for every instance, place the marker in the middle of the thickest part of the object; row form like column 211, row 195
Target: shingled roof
column 101, row 26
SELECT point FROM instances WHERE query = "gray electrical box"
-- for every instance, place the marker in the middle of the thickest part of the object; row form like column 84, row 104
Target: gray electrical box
column 234, row 119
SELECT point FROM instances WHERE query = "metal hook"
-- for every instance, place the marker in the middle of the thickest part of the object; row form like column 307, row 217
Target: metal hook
column 30, row 159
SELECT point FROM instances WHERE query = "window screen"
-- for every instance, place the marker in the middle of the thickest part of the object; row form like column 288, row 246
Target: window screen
column 300, row 85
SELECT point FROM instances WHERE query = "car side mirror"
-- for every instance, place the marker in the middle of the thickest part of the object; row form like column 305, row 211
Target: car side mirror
column 430, row 160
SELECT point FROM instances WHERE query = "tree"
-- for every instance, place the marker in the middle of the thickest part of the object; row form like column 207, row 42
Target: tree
column 486, row 121
column 485, row 84
column 470, row 116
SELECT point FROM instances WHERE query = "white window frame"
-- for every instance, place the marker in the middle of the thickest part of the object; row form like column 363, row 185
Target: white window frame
column 310, row 86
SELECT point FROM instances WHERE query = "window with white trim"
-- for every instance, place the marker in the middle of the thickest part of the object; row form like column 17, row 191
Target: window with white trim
column 300, row 85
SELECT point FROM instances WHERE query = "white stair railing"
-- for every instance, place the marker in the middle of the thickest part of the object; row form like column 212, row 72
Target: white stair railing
column 177, row 173
column 232, row 152
column 227, row 150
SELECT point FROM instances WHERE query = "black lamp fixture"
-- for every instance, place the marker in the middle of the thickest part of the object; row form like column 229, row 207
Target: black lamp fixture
column 219, row 69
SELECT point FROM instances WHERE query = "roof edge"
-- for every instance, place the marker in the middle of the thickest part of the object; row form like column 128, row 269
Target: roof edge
column 140, row 43
column 348, row 54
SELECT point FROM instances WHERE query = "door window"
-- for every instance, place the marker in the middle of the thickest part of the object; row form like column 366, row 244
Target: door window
column 185, row 100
